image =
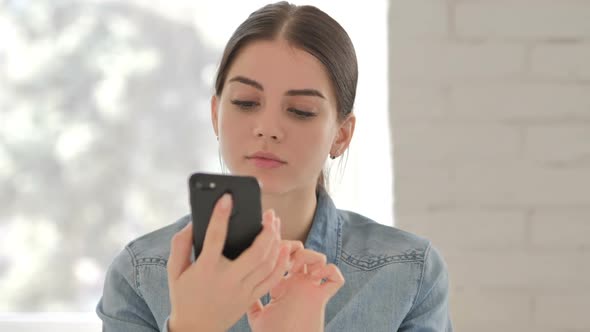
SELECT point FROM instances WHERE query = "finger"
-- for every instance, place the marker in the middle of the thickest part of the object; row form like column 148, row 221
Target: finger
column 265, row 266
column 288, row 245
column 180, row 252
column 293, row 245
column 278, row 290
column 255, row 308
column 333, row 278
column 275, row 277
column 217, row 229
column 259, row 249
column 316, row 266
column 306, row 259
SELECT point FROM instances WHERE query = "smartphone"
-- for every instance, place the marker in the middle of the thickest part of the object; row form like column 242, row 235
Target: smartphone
column 246, row 216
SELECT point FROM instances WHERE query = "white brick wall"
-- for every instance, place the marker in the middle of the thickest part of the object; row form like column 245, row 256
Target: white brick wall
column 480, row 229
column 557, row 311
column 562, row 61
column 523, row 20
column 445, row 142
column 565, row 229
column 490, row 112
column 444, row 61
column 558, row 144
column 531, row 102
column 434, row 22
column 501, row 311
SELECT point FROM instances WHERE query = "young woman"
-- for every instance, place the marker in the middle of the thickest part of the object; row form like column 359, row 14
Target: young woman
column 283, row 104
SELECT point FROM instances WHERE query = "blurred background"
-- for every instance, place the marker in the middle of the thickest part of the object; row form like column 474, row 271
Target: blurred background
column 473, row 130
column 105, row 112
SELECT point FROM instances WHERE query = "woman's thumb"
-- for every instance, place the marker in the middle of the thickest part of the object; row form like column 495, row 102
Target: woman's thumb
column 180, row 252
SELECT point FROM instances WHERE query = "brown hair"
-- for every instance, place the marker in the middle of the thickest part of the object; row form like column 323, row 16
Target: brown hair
column 309, row 29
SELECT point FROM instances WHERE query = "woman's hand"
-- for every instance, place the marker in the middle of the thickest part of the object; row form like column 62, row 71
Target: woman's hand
column 298, row 302
column 213, row 293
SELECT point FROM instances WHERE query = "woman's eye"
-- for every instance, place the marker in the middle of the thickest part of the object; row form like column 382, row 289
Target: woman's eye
column 301, row 114
column 245, row 105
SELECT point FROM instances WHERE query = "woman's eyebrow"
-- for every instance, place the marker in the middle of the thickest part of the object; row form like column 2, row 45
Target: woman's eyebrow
column 247, row 81
column 305, row 92
column 295, row 92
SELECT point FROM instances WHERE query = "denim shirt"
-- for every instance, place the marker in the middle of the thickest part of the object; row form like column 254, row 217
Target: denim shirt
column 395, row 281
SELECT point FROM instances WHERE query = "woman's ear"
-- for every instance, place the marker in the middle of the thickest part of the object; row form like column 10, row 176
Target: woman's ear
column 344, row 135
column 214, row 114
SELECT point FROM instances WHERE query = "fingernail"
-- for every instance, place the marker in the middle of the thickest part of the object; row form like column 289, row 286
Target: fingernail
column 273, row 224
column 225, row 201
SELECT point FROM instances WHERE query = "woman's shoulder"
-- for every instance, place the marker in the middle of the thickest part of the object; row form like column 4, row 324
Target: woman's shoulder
column 368, row 244
column 150, row 249
column 154, row 247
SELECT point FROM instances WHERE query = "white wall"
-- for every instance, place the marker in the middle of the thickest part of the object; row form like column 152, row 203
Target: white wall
column 490, row 112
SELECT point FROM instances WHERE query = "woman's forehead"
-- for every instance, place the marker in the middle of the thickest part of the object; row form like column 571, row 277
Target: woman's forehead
column 277, row 64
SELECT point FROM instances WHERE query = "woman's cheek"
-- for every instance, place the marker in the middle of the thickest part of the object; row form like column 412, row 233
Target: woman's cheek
column 232, row 126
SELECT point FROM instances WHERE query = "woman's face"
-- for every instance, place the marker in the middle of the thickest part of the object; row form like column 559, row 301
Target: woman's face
column 276, row 118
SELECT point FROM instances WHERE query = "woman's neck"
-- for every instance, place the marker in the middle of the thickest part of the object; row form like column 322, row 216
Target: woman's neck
column 295, row 209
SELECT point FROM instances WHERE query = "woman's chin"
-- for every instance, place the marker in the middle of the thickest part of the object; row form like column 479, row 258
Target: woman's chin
column 269, row 183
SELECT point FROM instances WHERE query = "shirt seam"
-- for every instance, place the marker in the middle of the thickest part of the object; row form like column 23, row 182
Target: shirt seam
column 338, row 242
column 379, row 265
column 422, row 272
column 135, row 271
column 151, row 261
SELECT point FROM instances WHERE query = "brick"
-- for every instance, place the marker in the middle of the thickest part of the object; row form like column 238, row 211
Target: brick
column 417, row 102
column 558, row 311
column 558, row 143
column 561, row 229
column 487, row 327
column 535, row 272
column 418, row 18
column 437, row 62
column 521, row 102
column 456, row 142
column 561, row 61
column 419, row 186
column 460, row 230
column 478, row 308
column 513, row 183
column 523, row 19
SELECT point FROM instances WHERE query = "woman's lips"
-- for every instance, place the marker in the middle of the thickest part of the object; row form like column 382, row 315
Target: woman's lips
column 264, row 159
column 266, row 163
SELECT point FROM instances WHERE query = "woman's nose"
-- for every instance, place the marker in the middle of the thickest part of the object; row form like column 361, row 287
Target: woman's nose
column 273, row 137
column 268, row 126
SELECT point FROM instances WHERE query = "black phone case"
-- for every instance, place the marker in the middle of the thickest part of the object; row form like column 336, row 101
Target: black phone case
column 246, row 216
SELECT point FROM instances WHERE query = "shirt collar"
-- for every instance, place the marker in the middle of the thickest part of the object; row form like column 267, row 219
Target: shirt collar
column 326, row 229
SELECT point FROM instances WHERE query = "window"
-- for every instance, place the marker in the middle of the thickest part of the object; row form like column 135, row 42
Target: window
column 104, row 112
